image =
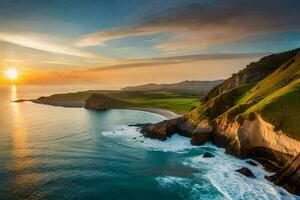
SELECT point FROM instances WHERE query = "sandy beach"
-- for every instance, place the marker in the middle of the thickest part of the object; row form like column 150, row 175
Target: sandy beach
column 166, row 113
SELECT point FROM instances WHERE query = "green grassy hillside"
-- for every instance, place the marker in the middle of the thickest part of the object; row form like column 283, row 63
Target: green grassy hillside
column 279, row 98
column 276, row 98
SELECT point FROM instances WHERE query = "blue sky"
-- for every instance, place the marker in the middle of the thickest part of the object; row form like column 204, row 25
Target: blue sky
column 75, row 34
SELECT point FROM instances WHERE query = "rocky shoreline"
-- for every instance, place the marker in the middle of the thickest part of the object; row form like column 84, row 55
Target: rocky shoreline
column 253, row 139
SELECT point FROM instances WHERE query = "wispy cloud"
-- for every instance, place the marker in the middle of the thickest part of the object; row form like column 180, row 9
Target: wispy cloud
column 200, row 25
column 44, row 43
column 137, row 63
column 99, row 38
column 61, row 63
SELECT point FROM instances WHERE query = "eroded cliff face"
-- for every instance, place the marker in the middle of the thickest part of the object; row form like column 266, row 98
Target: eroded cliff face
column 225, row 135
column 256, row 139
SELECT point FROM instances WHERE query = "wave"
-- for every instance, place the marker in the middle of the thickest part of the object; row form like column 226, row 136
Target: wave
column 220, row 172
column 189, row 189
column 130, row 136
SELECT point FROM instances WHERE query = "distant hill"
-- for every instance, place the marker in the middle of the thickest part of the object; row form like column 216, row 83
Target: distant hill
column 199, row 87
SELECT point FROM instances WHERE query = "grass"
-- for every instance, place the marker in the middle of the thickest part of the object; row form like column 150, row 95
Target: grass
column 282, row 109
column 178, row 105
column 278, row 79
column 179, row 102
column 222, row 103
column 278, row 98
column 284, row 113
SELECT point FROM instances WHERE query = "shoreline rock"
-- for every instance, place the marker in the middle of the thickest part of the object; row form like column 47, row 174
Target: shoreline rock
column 199, row 139
column 161, row 130
column 246, row 172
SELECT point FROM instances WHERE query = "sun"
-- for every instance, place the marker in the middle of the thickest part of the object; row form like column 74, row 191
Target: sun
column 11, row 74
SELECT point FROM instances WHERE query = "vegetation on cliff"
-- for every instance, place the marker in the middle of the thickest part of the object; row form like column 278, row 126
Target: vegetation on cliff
column 254, row 72
column 275, row 94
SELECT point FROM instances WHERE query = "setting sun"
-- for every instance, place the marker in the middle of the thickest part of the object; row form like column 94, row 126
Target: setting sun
column 11, row 74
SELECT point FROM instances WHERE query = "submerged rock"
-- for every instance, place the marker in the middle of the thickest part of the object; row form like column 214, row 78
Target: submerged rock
column 246, row 172
column 208, row 155
column 160, row 131
column 250, row 162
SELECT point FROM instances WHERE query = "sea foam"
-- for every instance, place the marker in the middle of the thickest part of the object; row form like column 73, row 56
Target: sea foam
column 130, row 136
column 220, row 172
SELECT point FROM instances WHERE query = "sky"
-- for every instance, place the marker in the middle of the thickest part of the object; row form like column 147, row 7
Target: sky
column 120, row 43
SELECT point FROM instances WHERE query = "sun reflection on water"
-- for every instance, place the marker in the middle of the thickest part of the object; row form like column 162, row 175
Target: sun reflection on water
column 20, row 150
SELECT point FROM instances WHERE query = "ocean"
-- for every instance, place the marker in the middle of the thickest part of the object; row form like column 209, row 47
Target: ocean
column 53, row 153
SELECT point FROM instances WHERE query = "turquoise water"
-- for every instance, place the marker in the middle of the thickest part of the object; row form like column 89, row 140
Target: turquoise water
column 52, row 153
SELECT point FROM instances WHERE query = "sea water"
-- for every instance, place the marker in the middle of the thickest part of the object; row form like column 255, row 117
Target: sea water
column 52, row 153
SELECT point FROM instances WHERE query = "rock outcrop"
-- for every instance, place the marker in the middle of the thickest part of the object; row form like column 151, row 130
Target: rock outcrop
column 199, row 139
column 246, row 172
column 160, row 131
column 182, row 126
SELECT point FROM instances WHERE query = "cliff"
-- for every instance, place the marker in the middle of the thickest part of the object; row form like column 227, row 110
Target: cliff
column 254, row 72
column 253, row 114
